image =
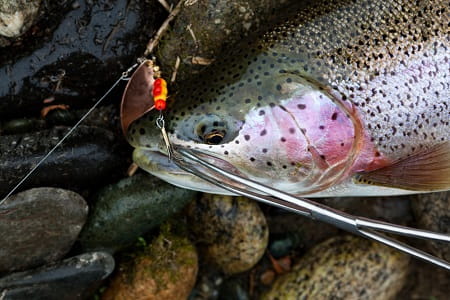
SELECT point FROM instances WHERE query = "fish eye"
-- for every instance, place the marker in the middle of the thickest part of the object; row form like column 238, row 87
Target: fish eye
column 214, row 137
column 211, row 130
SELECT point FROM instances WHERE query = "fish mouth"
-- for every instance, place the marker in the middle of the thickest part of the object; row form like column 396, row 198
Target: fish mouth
column 159, row 165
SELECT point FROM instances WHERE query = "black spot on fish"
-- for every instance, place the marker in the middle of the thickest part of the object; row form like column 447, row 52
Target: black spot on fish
column 292, row 130
column 248, row 100
column 264, row 132
column 321, row 127
column 269, row 163
column 142, row 131
column 261, row 112
column 252, row 159
column 246, row 137
column 334, row 116
column 283, row 139
column 301, row 106
column 264, row 150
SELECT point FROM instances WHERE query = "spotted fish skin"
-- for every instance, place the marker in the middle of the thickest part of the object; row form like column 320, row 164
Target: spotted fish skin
column 344, row 87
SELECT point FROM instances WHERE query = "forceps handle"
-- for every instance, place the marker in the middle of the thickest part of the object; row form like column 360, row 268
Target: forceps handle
column 363, row 223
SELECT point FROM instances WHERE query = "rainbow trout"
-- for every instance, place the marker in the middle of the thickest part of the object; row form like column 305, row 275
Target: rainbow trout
column 348, row 98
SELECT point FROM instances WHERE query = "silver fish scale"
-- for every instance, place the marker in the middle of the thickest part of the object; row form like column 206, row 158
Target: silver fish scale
column 389, row 58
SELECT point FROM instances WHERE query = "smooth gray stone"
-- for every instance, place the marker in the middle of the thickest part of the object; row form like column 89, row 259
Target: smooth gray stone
column 39, row 226
column 74, row 278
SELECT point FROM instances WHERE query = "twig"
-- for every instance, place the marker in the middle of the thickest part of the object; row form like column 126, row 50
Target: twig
column 174, row 74
column 198, row 60
column 165, row 5
column 189, row 28
column 132, row 169
column 155, row 40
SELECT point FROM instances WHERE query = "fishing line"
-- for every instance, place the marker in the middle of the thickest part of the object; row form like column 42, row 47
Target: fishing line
column 123, row 77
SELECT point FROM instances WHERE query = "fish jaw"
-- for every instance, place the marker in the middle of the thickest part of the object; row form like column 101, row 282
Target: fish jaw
column 159, row 165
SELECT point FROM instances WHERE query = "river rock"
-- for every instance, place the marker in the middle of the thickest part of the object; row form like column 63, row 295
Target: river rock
column 205, row 29
column 17, row 16
column 232, row 231
column 125, row 210
column 74, row 278
column 432, row 212
column 39, row 226
column 344, row 267
column 166, row 269
column 89, row 157
column 74, row 53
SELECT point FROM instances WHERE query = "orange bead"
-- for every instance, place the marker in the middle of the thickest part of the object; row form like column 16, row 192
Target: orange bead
column 160, row 104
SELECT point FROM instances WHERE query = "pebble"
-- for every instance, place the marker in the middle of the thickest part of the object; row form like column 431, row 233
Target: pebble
column 89, row 157
column 432, row 213
column 165, row 269
column 39, row 226
column 126, row 210
column 344, row 267
column 17, row 16
column 74, row 278
column 232, row 231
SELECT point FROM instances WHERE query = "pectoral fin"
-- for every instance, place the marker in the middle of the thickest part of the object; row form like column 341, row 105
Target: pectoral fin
column 427, row 170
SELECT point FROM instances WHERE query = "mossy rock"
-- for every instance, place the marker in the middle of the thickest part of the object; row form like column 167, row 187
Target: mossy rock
column 166, row 269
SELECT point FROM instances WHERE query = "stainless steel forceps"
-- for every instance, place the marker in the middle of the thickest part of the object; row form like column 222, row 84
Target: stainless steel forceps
column 357, row 225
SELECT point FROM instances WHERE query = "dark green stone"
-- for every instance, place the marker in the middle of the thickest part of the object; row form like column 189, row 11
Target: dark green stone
column 128, row 209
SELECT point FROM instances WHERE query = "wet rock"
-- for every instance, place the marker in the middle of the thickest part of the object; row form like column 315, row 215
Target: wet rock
column 205, row 28
column 426, row 281
column 89, row 157
column 394, row 209
column 233, row 289
column 208, row 284
column 73, row 278
column 284, row 224
column 166, row 269
column 74, row 53
column 106, row 117
column 17, row 16
column 282, row 244
column 39, row 226
column 344, row 267
column 432, row 212
column 128, row 209
column 232, row 231
column 18, row 126
column 304, row 232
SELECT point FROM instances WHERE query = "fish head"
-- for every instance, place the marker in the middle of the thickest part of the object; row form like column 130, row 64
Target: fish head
column 254, row 118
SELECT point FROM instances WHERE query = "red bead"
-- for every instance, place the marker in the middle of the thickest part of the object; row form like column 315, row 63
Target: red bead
column 157, row 90
column 160, row 104
column 158, row 82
